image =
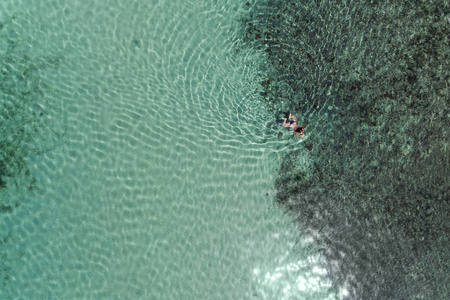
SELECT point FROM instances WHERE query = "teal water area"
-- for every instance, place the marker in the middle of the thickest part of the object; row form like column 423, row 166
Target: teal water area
column 138, row 159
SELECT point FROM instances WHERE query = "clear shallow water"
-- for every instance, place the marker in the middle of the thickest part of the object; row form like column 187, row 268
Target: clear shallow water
column 150, row 169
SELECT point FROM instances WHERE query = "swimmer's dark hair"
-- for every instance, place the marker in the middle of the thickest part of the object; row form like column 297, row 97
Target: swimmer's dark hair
column 299, row 129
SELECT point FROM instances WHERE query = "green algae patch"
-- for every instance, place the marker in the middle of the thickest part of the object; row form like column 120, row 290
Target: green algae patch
column 30, row 122
column 28, row 106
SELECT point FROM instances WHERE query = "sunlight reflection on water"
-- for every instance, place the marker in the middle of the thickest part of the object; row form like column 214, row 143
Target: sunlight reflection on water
column 293, row 278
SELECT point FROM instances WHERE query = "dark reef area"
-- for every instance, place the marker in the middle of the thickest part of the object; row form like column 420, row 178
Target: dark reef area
column 371, row 81
column 28, row 126
column 27, row 105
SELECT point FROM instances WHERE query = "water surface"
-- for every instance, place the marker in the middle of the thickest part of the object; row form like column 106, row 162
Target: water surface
column 145, row 168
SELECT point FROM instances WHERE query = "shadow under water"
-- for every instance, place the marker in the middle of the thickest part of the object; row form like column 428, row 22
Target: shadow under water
column 370, row 79
column 28, row 110
column 28, row 126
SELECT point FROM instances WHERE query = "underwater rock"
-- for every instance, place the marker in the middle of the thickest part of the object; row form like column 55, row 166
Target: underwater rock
column 27, row 105
column 378, row 182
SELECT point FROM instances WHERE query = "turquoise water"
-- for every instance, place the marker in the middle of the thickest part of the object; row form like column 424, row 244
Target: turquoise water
column 138, row 158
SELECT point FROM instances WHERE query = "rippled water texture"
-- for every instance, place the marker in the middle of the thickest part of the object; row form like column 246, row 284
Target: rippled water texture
column 138, row 159
column 142, row 157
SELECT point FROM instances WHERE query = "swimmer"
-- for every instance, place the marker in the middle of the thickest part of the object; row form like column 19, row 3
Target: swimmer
column 299, row 130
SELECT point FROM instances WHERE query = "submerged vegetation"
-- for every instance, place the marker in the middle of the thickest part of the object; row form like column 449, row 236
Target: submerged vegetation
column 371, row 80
column 29, row 111
column 28, row 107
